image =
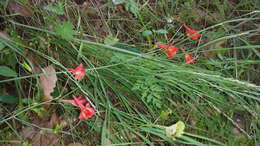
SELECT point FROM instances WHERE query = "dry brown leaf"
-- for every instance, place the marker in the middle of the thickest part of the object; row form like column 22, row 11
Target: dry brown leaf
column 23, row 10
column 14, row 143
column 192, row 122
column 208, row 53
column 28, row 132
column 48, row 82
column 238, row 119
column 45, row 139
column 4, row 35
column 41, row 137
column 75, row 144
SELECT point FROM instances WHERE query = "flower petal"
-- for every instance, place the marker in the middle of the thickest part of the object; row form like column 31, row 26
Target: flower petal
column 79, row 72
column 73, row 102
column 189, row 59
column 87, row 112
column 171, row 52
column 78, row 102
column 193, row 34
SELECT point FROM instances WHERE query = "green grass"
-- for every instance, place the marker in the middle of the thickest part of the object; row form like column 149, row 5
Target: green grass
column 135, row 90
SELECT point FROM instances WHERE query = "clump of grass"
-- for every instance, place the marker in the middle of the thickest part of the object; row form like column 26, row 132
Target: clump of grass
column 137, row 93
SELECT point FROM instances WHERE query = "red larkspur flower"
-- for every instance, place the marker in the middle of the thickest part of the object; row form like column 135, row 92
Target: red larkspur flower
column 73, row 102
column 79, row 72
column 192, row 33
column 170, row 50
column 189, row 59
column 86, row 111
column 164, row 46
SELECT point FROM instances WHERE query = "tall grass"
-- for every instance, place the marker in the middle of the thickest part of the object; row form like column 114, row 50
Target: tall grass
column 118, row 78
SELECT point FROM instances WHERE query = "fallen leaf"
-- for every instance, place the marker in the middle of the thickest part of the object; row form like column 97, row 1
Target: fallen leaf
column 4, row 35
column 75, row 144
column 48, row 82
column 28, row 132
column 23, row 10
column 175, row 130
column 43, row 138
column 38, row 137
column 238, row 119
column 14, row 143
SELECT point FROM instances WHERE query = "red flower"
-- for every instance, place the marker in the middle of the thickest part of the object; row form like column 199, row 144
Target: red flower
column 192, row 33
column 79, row 72
column 82, row 101
column 164, row 46
column 86, row 111
column 189, row 59
column 170, row 50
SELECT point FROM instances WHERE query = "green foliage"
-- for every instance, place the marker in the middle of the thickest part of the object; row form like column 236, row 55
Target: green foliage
column 7, row 72
column 26, row 143
column 39, row 110
column 116, row 2
column 160, row 31
column 211, row 82
column 110, row 40
column 164, row 115
column 8, row 99
column 57, row 8
column 130, row 5
column 58, row 128
column 2, row 46
column 65, row 30
column 151, row 91
column 147, row 33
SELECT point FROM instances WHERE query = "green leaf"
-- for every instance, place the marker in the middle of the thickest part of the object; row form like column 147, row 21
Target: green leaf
column 147, row 33
column 65, row 30
column 58, row 128
column 2, row 46
column 132, row 7
column 110, row 40
column 149, row 98
column 27, row 67
column 161, row 31
column 165, row 114
column 8, row 99
column 57, row 8
column 7, row 72
column 116, row 2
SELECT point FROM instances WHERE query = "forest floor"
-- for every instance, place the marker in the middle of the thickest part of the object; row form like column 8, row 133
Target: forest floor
column 129, row 72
